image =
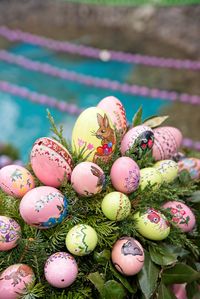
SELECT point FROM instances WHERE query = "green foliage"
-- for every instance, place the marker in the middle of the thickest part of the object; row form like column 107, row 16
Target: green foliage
column 175, row 260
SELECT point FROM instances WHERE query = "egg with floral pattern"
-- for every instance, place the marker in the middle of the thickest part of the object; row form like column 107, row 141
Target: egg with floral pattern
column 43, row 207
column 150, row 176
column 51, row 161
column 137, row 141
column 16, row 180
column 125, row 175
column 182, row 215
column 10, row 232
column 192, row 165
column 14, row 281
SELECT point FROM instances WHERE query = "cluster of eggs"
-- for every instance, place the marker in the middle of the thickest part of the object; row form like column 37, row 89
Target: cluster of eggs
column 94, row 139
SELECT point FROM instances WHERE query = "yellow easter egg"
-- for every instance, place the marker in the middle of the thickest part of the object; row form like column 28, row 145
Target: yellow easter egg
column 152, row 225
column 93, row 135
column 150, row 176
column 168, row 169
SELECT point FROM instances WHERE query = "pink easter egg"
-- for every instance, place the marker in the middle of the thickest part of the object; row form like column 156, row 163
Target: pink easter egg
column 87, row 179
column 179, row 291
column 128, row 256
column 192, row 165
column 181, row 215
column 14, row 279
column 61, row 270
column 114, row 108
column 125, row 175
column 16, row 180
column 138, row 140
column 51, row 162
column 167, row 142
column 10, row 232
column 43, row 207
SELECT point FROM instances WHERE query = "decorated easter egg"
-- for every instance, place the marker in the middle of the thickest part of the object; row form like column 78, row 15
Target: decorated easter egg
column 128, row 256
column 81, row 239
column 137, row 141
column 179, row 291
column 61, row 269
column 93, row 135
column 168, row 170
column 50, row 161
column 125, row 175
column 87, row 179
column 114, row 108
column 116, row 206
column 152, row 225
column 167, row 142
column 16, row 180
column 181, row 215
column 150, row 176
column 14, row 281
column 10, row 232
column 192, row 165
column 43, row 207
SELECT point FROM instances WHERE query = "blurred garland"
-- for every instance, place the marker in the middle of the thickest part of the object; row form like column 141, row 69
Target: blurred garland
column 136, row 2
column 174, row 260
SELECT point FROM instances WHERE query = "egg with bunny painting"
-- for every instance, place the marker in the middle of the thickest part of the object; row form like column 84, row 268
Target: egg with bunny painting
column 43, row 207
column 87, row 179
column 114, row 108
column 93, row 136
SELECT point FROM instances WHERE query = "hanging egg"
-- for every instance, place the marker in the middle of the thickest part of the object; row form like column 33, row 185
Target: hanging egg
column 128, row 256
column 192, row 165
column 93, row 135
column 150, row 176
column 152, row 225
column 168, row 170
column 16, row 180
column 137, row 141
column 179, row 291
column 167, row 142
column 43, row 207
column 10, row 232
column 81, row 239
column 14, row 281
column 114, row 108
column 125, row 175
column 181, row 215
column 87, row 179
column 51, row 162
column 61, row 269
column 116, row 206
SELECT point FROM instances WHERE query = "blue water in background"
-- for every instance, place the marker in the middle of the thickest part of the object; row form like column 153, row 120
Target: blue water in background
column 22, row 122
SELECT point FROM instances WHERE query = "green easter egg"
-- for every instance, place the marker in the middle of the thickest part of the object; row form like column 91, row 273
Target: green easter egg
column 168, row 169
column 152, row 225
column 150, row 175
column 116, row 206
column 81, row 239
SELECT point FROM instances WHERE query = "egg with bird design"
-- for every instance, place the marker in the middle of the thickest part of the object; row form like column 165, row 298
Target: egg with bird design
column 127, row 256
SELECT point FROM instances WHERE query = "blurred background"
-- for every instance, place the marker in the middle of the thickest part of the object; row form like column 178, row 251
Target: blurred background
column 68, row 55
